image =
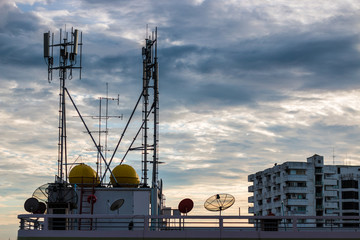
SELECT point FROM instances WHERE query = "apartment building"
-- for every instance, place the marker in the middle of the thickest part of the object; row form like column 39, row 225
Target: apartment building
column 306, row 189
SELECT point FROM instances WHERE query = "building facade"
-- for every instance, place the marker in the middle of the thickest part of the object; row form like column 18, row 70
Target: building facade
column 306, row 189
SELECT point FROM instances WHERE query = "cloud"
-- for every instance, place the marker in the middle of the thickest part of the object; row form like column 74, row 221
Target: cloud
column 243, row 85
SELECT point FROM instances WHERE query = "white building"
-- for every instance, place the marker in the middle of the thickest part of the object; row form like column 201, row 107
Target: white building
column 306, row 189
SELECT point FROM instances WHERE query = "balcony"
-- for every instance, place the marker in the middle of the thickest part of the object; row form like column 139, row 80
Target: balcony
column 295, row 190
column 350, row 211
column 331, row 214
column 330, row 182
column 349, row 189
column 333, row 205
column 349, row 199
column 330, row 193
column 295, row 178
column 251, row 199
column 251, row 188
column 251, row 178
column 332, row 188
column 297, row 202
column 298, row 212
column 318, row 171
column 331, row 211
column 251, row 210
column 330, row 170
column 297, row 165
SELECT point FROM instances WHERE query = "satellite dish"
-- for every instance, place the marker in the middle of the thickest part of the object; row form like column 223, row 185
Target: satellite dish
column 186, row 205
column 41, row 193
column 60, row 193
column 117, row 204
column 41, row 209
column 219, row 202
column 31, row 205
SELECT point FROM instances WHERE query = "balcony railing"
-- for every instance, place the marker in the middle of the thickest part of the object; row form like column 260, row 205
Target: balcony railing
column 333, row 205
column 330, row 193
column 295, row 178
column 297, row 202
column 330, row 182
column 295, row 189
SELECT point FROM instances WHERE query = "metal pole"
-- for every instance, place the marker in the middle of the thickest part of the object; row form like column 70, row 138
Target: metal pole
column 156, row 108
column 145, row 119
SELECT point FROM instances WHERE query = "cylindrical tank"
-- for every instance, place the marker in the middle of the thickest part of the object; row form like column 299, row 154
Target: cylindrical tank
column 125, row 175
column 83, row 175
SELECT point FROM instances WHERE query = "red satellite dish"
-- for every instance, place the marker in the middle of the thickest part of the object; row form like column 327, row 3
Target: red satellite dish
column 186, row 205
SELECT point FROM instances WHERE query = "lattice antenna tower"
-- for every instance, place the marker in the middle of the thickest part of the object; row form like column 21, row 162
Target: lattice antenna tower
column 68, row 58
column 150, row 81
column 151, row 75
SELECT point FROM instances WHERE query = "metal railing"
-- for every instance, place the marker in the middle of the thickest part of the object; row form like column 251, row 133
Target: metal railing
column 50, row 222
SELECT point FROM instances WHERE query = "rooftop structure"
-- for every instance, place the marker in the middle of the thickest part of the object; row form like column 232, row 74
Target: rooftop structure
column 306, row 189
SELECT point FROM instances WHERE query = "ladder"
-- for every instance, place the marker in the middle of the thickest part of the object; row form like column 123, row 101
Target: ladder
column 87, row 201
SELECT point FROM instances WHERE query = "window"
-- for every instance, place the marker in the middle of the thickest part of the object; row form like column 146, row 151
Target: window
column 296, row 184
column 350, row 206
column 300, row 172
column 350, row 195
column 349, row 184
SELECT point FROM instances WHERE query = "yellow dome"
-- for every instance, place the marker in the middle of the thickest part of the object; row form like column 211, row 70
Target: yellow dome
column 125, row 175
column 83, row 174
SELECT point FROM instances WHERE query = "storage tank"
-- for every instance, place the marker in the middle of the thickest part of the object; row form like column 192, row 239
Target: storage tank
column 83, row 175
column 125, row 175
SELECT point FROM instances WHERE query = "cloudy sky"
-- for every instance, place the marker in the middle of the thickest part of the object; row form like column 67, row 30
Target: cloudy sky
column 243, row 85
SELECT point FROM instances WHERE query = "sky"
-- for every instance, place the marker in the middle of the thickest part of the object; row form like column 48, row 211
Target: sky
column 243, row 85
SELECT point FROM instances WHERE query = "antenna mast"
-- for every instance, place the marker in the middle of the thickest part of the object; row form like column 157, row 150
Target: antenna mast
column 69, row 58
column 150, row 73
column 100, row 117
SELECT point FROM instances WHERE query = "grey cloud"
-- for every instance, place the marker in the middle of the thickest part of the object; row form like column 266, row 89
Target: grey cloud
column 230, row 68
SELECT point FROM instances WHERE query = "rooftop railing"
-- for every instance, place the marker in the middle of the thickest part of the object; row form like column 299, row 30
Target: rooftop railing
column 112, row 222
